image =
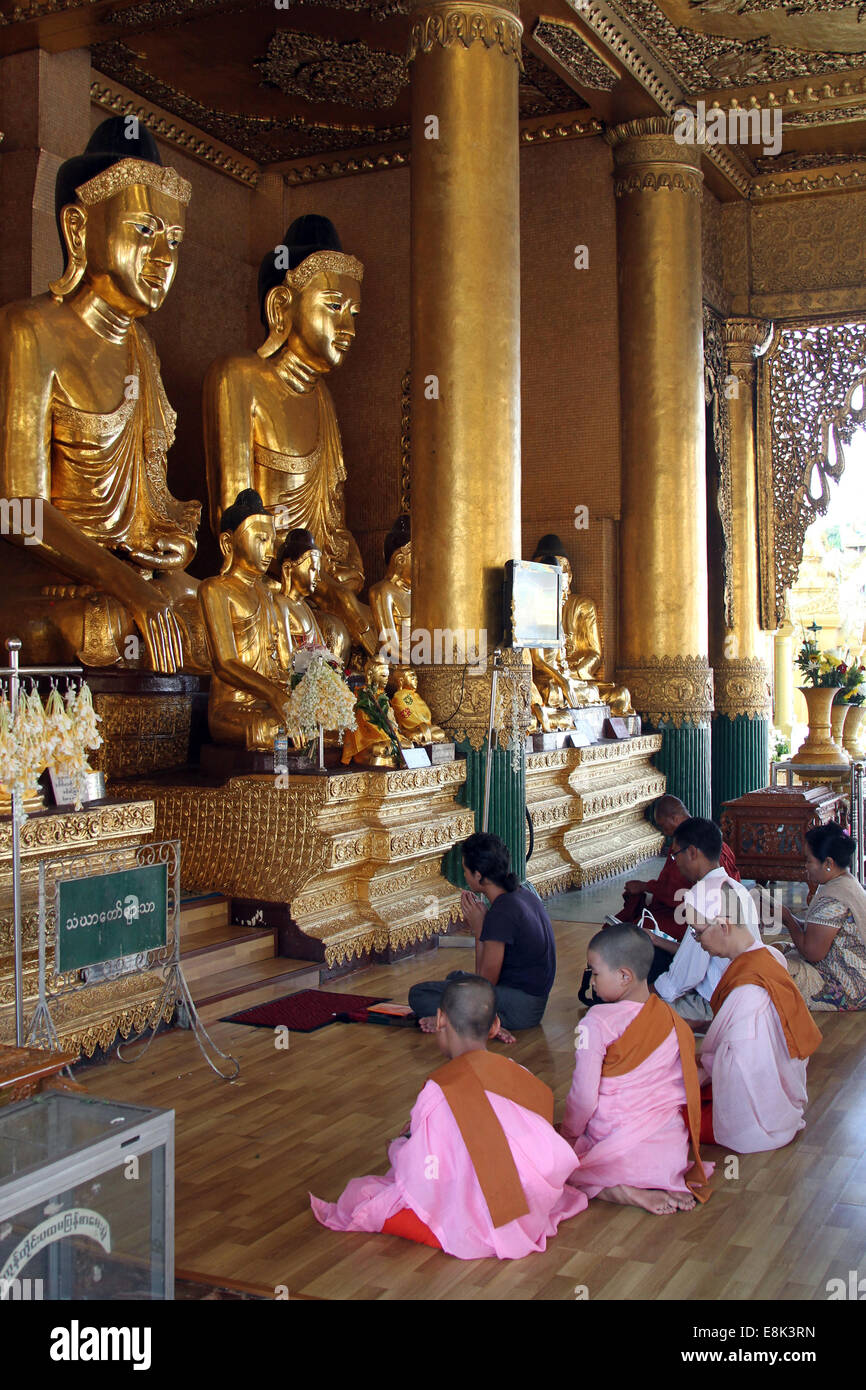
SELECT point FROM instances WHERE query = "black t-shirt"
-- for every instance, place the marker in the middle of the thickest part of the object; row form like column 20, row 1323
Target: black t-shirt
column 519, row 920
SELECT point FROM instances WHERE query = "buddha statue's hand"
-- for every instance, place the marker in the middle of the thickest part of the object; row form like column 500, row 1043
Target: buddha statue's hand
column 159, row 630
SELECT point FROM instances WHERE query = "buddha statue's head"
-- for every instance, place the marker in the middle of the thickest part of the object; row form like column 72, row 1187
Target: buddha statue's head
column 310, row 295
column 398, row 552
column 376, row 672
column 120, row 215
column 247, row 537
column 300, row 562
column 405, row 678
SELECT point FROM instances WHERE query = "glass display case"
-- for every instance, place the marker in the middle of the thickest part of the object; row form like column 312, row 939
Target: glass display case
column 86, row 1200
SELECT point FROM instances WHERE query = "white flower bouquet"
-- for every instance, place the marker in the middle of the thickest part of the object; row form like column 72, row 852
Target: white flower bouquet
column 320, row 697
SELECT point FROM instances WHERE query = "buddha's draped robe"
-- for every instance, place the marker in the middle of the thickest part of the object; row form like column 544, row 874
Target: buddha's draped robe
column 482, row 1167
column 108, row 472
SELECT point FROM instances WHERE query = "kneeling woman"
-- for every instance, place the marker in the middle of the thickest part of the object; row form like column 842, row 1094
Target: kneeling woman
column 829, row 962
column 514, row 945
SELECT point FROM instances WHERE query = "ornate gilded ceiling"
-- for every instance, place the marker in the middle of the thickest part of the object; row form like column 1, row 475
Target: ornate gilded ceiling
column 277, row 81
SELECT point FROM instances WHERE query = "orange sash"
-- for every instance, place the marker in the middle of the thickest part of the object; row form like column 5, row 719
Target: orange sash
column 463, row 1083
column 802, row 1034
column 639, row 1041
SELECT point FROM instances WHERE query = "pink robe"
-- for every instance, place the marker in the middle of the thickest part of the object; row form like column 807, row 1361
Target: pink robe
column 626, row 1129
column 432, row 1174
column 759, row 1089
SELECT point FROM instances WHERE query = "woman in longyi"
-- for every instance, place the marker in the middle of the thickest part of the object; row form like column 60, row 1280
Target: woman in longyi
column 828, row 962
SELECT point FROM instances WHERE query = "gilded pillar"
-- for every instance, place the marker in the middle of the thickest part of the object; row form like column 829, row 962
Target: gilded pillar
column 465, row 486
column 741, row 724
column 663, row 585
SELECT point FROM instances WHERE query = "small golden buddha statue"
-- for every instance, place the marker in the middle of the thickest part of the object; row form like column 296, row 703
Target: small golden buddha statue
column 270, row 423
column 299, row 563
column 377, row 739
column 245, row 633
column 391, row 598
column 413, row 716
column 582, row 651
column 85, row 426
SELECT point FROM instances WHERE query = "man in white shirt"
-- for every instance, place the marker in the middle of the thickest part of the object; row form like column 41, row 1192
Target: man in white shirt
column 693, row 974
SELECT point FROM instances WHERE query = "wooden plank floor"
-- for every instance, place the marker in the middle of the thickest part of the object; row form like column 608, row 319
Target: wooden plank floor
column 323, row 1111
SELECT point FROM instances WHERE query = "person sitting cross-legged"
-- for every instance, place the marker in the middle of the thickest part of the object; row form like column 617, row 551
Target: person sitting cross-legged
column 514, row 945
column 635, row 1073
column 482, row 1172
column 755, row 1052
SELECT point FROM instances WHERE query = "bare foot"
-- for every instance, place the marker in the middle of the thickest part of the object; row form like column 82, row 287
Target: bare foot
column 649, row 1199
column 504, row 1036
column 428, row 1025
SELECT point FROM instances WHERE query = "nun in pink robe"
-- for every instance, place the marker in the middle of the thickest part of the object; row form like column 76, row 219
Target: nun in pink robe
column 759, row 1089
column 626, row 1129
column 431, row 1173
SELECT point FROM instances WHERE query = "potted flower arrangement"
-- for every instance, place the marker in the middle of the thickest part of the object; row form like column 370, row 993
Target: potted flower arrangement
column 853, row 694
column 821, row 680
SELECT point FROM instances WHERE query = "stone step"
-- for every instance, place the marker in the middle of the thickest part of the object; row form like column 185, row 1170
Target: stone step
column 230, row 991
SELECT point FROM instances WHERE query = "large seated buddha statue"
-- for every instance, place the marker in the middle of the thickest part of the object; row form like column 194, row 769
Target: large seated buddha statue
column 246, row 634
column 85, row 427
column 581, row 655
column 270, row 423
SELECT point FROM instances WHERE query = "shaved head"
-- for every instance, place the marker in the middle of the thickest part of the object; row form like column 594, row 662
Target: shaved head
column 670, row 806
column 624, row 947
column 470, row 1007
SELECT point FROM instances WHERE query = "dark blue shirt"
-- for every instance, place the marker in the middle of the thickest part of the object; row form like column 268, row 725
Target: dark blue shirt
column 519, row 920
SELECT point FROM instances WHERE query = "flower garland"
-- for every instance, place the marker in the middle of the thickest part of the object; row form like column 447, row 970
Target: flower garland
column 53, row 737
column 319, row 696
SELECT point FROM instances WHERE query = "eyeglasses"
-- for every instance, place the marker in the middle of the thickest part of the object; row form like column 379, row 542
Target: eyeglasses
column 675, row 853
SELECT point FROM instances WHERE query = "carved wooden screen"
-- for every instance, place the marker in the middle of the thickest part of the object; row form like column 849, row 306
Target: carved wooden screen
column 810, row 402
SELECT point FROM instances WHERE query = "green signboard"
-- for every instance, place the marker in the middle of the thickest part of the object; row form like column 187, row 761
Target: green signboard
column 108, row 916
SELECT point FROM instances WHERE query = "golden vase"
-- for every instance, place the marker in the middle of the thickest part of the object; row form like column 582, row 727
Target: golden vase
column 838, row 723
column 854, row 732
column 819, row 746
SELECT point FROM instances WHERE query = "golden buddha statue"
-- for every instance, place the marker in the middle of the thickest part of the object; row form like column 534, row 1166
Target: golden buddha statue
column 391, row 598
column 377, row 739
column 251, row 682
column 582, row 651
column 299, row 562
column 413, row 716
column 270, row 423
column 85, row 426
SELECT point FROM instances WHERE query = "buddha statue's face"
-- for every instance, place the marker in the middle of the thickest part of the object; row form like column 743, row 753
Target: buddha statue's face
column 566, row 576
column 377, row 674
column 132, row 241
column 253, row 544
column 401, row 565
column 306, row 571
column 323, row 319
column 408, row 679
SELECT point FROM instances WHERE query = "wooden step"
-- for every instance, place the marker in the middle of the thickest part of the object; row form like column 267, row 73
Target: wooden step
column 243, row 988
column 211, row 908
column 209, row 957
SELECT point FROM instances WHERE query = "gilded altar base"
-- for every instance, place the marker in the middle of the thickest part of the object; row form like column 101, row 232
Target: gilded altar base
column 97, row 1016
column 587, row 807
column 356, row 855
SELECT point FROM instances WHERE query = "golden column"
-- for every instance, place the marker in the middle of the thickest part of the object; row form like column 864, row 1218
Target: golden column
column 741, row 726
column 663, row 587
column 465, row 488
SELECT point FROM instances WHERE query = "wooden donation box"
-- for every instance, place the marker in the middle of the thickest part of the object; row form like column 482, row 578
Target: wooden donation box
column 767, row 829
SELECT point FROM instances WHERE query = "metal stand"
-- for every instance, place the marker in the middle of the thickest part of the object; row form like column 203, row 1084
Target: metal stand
column 176, row 990
column 13, row 673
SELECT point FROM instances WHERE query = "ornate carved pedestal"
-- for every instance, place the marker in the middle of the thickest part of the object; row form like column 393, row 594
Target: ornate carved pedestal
column 767, row 829
column 96, row 1016
column 149, row 722
column 354, row 856
column 587, row 807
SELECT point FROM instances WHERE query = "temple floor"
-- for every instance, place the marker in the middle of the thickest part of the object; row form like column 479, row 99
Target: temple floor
column 310, row 1117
